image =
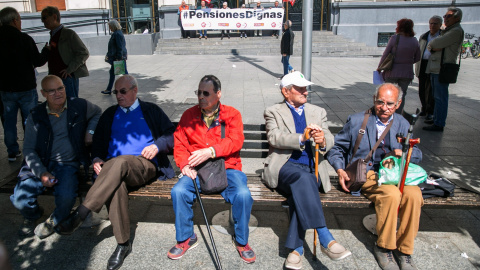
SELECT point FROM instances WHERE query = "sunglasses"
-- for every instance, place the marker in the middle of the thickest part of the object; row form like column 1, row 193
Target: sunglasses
column 122, row 91
column 447, row 16
column 200, row 92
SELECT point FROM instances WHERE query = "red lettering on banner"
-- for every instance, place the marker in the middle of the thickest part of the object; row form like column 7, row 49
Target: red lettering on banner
column 258, row 24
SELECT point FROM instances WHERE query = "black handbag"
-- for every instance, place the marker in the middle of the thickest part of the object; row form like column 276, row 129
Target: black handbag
column 444, row 187
column 357, row 170
column 449, row 71
column 212, row 173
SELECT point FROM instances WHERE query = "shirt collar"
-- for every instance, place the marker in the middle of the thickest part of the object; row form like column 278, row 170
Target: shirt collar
column 54, row 31
column 131, row 108
column 378, row 122
column 49, row 112
column 298, row 110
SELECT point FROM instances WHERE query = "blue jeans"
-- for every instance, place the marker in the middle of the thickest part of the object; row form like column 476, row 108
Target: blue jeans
column 112, row 76
column 440, row 94
column 25, row 194
column 202, row 33
column 12, row 101
column 237, row 194
column 71, row 86
column 286, row 64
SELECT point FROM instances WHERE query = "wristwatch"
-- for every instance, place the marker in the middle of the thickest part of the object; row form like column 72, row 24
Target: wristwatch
column 91, row 132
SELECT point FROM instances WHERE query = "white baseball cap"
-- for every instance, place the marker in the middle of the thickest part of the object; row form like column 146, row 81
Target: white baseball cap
column 296, row 78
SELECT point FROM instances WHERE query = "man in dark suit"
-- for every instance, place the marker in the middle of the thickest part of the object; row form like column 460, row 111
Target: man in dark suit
column 286, row 47
column 289, row 166
column 130, row 148
column 387, row 198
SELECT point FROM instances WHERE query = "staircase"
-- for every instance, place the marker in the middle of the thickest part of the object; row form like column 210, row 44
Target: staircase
column 324, row 44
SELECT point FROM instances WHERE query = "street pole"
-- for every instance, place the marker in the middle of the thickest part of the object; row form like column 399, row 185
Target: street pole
column 307, row 25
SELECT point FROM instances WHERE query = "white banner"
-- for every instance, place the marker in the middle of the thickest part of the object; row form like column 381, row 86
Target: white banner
column 232, row 19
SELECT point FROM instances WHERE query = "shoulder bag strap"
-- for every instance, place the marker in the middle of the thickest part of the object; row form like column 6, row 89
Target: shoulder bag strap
column 361, row 132
column 396, row 45
column 223, row 129
column 369, row 156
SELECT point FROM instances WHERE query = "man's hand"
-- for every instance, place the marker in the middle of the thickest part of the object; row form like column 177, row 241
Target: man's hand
column 342, row 177
column 316, row 132
column 48, row 180
column 97, row 165
column 48, row 47
column 88, row 139
column 199, row 156
column 396, row 153
column 150, row 151
column 64, row 74
column 190, row 172
column 284, row 54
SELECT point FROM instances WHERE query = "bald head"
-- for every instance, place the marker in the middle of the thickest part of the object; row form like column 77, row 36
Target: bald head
column 47, row 80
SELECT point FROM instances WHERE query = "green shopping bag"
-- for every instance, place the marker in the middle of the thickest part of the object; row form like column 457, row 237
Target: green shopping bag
column 390, row 176
column 119, row 67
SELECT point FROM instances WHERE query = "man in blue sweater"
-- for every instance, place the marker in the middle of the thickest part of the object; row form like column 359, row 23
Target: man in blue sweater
column 130, row 148
column 56, row 135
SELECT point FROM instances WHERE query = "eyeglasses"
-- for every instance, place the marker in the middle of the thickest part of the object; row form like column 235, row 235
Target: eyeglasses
column 122, row 91
column 52, row 92
column 446, row 16
column 381, row 103
column 200, row 92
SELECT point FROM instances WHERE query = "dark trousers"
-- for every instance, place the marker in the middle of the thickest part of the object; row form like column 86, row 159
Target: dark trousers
column 425, row 91
column 228, row 33
column 299, row 184
column 110, row 188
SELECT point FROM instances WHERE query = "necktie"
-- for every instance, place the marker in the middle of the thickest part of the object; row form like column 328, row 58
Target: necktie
column 128, row 109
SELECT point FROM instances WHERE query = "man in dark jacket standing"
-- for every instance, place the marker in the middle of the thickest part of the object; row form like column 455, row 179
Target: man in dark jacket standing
column 286, row 48
column 68, row 53
column 18, row 89
column 130, row 148
column 424, row 86
column 56, row 135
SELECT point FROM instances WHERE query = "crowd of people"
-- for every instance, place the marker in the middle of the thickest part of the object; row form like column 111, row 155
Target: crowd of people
column 205, row 5
column 66, row 131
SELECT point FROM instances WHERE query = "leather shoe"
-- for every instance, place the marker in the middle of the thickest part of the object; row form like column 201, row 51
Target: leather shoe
column 433, row 128
column 120, row 253
column 69, row 224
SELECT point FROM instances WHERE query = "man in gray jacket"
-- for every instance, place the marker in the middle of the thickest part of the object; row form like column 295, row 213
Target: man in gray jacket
column 68, row 53
column 448, row 46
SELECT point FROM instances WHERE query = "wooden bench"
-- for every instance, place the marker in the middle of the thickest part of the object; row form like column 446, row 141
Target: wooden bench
column 256, row 146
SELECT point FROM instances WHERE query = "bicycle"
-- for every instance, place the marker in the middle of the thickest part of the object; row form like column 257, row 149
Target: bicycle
column 469, row 48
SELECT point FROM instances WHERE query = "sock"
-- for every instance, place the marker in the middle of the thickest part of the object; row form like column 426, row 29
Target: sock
column 124, row 244
column 194, row 236
column 324, row 236
column 299, row 250
column 83, row 212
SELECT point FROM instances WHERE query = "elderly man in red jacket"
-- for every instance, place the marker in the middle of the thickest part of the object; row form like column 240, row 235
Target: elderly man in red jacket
column 197, row 139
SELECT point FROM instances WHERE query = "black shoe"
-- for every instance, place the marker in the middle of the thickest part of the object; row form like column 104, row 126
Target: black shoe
column 69, row 224
column 221, row 38
column 428, row 121
column 422, row 113
column 107, row 92
column 433, row 128
column 13, row 157
column 120, row 253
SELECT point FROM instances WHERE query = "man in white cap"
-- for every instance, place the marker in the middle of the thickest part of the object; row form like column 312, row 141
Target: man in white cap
column 290, row 165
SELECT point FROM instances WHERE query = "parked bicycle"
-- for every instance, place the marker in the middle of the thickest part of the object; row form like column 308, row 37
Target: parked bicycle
column 469, row 48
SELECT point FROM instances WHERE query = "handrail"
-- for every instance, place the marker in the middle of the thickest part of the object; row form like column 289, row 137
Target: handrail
column 122, row 20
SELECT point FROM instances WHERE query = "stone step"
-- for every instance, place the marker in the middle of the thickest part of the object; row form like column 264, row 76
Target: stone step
column 323, row 44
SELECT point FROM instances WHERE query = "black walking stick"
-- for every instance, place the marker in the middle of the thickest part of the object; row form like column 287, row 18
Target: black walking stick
column 217, row 259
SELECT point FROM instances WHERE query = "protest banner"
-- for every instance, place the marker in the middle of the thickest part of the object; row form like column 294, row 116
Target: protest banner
column 232, row 19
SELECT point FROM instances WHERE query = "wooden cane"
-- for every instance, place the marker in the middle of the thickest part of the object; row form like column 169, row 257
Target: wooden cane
column 306, row 134
column 412, row 142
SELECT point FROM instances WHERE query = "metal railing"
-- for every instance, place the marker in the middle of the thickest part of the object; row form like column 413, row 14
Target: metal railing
column 100, row 24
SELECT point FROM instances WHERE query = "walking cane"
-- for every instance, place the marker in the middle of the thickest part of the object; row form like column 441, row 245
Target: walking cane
column 217, row 259
column 407, row 147
column 306, row 134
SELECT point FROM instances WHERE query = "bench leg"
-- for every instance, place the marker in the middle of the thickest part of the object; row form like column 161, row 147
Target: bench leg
column 223, row 222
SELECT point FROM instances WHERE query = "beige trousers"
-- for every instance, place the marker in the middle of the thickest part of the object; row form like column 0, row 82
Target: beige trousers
column 387, row 199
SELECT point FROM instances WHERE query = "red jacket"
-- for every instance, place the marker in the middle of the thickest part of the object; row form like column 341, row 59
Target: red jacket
column 192, row 134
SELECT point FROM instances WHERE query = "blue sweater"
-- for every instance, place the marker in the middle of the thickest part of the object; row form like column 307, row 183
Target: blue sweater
column 302, row 157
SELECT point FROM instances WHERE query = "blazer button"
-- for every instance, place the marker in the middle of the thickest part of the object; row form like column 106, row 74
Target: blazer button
column 370, row 164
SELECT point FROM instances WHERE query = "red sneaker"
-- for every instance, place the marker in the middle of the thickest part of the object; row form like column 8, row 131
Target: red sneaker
column 180, row 248
column 246, row 252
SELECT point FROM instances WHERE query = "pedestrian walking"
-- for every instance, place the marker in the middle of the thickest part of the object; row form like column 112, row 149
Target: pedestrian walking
column 117, row 51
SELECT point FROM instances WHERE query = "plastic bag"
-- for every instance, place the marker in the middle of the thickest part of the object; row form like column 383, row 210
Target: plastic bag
column 390, row 176
column 119, row 67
